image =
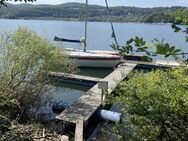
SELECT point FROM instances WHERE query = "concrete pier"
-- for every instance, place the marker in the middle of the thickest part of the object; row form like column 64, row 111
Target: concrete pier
column 154, row 64
column 73, row 78
column 87, row 104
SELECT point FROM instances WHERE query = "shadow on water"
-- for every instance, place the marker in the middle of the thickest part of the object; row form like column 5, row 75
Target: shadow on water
column 95, row 72
column 68, row 86
column 65, row 92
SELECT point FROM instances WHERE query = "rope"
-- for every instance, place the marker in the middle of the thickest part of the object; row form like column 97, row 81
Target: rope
column 110, row 18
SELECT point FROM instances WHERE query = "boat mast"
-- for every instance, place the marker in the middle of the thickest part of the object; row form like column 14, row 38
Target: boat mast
column 86, row 10
column 112, row 27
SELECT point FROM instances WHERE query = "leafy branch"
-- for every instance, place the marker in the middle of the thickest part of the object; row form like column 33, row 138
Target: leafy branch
column 3, row 2
column 150, row 50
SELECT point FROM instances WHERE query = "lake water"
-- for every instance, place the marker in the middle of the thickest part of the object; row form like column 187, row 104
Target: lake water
column 99, row 33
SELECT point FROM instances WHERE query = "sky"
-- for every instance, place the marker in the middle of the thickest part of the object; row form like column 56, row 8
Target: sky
column 137, row 3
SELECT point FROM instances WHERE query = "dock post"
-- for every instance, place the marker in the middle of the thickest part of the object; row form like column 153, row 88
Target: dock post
column 103, row 85
column 64, row 138
column 79, row 129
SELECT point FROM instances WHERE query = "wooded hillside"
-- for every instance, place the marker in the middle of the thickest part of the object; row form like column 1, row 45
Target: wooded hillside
column 75, row 11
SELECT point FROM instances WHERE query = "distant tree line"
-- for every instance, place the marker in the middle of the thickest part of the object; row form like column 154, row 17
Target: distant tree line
column 76, row 11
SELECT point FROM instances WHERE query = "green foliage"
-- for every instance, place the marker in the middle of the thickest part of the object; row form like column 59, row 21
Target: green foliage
column 156, row 48
column 25, row 59
column 135, row 45
column 155, row 104
column 75, row 11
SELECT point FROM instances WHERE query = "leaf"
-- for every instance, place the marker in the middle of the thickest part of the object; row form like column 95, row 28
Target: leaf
column 186, row 61
column 139, row 41
column 147, row 59
column 141, row 49
column 160, row 49
column 129, row 41
column 149, row 54
column 172, row 49
column 167, row 55
column 176, row 28
column 115, row 47
column 155, row 40
column 2, row 3
column 186, row 31
column 177, row 50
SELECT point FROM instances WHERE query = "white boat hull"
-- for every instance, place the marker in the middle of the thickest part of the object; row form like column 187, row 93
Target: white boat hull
column 97, row 63
column 95, row 58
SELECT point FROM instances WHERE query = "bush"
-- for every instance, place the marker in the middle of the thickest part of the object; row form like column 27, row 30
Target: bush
column 155, row 104
column 25, row 59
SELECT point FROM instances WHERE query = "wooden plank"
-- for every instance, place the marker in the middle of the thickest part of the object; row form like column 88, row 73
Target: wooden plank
column 87, row 104
column 79, row 130
column 72, row 76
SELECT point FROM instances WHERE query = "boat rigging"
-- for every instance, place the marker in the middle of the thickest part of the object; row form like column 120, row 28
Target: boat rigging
column 84, row 39
column 92, row 58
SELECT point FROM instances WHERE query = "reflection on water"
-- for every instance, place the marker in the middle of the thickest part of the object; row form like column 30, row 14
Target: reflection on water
column 60, row 92
column 68, row 93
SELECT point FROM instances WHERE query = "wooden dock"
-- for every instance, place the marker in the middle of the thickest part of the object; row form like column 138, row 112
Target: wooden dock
column 87, row 104
column 74, row 79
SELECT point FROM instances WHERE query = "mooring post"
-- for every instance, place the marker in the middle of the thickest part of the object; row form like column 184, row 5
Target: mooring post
column 103, row 85
column 79, row 130
column 64, row 138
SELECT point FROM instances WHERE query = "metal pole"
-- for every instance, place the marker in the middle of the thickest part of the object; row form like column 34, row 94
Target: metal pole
column 103, row 85
column 85, row 42
column 110, row 18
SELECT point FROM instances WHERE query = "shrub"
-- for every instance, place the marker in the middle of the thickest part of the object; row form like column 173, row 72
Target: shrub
column 25, row 59
column 155, row 105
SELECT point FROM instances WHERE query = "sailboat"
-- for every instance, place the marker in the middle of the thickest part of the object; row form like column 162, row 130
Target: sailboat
column 92, row 58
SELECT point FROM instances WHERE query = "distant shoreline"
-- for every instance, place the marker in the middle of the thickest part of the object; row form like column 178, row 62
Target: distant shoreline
column 96, row 13
column 88, row 21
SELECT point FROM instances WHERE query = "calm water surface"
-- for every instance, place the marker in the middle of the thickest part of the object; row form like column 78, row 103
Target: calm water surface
column 99, row 33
